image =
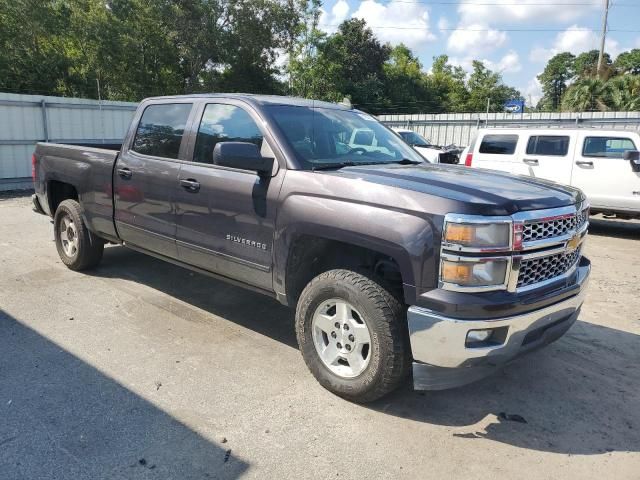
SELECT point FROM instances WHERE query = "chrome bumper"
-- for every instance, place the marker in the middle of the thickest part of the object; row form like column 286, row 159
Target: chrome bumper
column 441, row 359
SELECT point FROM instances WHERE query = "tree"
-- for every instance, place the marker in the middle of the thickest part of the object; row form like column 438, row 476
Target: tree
column 351, row 64
column 448, row 84
column 585, row 65
column 406, row 86
column 629, row 62
column 484, row 85
column 558, row 71
column 623, row 93
column 586, row 94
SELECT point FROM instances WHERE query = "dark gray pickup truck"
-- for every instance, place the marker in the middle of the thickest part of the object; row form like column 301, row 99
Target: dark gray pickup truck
column 393, row 265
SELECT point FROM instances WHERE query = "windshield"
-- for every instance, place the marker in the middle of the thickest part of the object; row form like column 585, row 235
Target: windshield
column 414, row 139
column 326, row 137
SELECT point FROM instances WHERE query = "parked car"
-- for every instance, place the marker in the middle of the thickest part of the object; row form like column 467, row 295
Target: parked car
column 392, row 264
column 433, row 153
column 604, row 164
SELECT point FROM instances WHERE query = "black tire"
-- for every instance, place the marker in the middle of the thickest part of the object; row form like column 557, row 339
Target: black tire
column 385, row 318
column 88, row 252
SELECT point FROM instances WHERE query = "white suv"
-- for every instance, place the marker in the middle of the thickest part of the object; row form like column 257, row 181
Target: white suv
column 605, row 164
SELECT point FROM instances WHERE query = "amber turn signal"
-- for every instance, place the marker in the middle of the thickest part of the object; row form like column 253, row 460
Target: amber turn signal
column 460, row 233
column 459, row 273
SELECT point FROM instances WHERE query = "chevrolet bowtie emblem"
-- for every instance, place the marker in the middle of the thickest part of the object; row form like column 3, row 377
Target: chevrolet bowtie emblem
column 573, row 242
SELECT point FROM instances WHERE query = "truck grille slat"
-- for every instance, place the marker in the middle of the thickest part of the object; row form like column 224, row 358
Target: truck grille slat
column 538, row 270
column 542, row 230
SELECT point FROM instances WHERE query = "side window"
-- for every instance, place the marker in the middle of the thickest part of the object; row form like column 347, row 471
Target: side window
column 363, row 137
column 607, row 147
column 224, row 123
column 550, row 145
column 499, row 144
column 161, row 129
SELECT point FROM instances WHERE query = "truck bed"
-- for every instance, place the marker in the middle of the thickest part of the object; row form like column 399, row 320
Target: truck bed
column 88, row 169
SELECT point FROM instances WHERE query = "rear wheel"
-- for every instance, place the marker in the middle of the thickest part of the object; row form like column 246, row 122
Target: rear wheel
column 78, row 248
column 352, row 334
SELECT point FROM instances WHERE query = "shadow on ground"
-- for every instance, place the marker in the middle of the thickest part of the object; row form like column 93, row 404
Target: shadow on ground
column 206, row 293
column 63, row 419
column 614, row 228
column 578, row 396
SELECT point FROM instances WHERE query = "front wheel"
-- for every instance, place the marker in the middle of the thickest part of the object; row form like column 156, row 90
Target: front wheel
column 78, row 248
column 352, row 334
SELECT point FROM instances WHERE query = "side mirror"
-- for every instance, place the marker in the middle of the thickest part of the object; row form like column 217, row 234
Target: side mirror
column 634, row 158
column 242, row 155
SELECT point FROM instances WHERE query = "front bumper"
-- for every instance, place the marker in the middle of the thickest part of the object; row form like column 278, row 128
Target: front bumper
column 441, row 359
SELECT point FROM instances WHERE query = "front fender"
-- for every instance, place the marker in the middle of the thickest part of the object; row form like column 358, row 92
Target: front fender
column 402, row 235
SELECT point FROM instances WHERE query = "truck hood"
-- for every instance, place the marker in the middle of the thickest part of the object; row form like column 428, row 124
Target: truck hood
column 485, row 192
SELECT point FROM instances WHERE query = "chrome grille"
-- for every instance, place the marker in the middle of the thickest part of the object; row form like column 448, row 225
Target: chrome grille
column 538, row 270
column 544, row 229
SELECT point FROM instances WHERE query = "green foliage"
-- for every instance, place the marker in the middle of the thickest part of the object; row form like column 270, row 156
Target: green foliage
column 629, row 62
column 138, row 48
column 585, row 65
column 573, row 83
column 554, row 78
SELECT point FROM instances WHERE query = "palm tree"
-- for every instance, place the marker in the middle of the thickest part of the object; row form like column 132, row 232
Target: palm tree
column 586, row 94
column 623, row 93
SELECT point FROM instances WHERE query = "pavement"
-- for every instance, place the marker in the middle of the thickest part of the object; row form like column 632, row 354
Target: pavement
column 143, row 370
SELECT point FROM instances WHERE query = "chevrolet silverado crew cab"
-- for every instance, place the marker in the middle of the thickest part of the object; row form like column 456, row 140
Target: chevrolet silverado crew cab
column 393, row 265
column 604, row 164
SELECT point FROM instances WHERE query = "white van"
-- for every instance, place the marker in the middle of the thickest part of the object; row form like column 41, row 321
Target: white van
column 604, row 164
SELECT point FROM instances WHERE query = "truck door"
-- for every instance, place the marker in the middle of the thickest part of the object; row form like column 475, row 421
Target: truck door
column 226, row 216
column 146, row 178
column 603, row 175
column 548, row 157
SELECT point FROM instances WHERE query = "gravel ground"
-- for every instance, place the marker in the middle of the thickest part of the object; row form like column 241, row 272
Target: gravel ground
column 141, row 369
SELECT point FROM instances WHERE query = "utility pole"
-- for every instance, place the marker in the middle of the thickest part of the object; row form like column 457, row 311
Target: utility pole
column 604, row 35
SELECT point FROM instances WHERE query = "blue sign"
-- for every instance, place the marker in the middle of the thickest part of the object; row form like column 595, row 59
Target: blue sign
column 514, row 106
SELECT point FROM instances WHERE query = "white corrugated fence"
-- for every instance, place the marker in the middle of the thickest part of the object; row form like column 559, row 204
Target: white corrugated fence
column 27, row 119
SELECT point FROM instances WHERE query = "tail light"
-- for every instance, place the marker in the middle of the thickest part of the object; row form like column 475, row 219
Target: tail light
column 33, row 166
column 468, row 159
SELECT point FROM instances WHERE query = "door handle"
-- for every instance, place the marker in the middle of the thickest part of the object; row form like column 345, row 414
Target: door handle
column 586, row 163
column 125, row 172
column 531, row 161
column 190, row 184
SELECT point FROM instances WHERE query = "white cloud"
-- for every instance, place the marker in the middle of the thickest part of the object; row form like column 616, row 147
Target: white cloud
column 412, row 17
column 532, row 92
column 443, row 23
column 510, row 63
column 575, row 40
column 560, row 11
column 475, row 39
column 329, row 21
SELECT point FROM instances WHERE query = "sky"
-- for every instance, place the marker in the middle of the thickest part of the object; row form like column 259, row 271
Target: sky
column 494, row 31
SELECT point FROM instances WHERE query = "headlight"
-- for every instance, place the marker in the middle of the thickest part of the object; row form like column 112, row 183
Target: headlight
column 465, row 234
column 474, row 272
column 466, row 242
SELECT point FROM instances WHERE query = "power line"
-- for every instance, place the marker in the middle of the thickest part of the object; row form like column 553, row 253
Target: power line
column 519, row 4
column 398, row 27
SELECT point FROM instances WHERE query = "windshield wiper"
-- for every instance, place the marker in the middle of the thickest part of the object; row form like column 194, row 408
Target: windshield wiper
column 338, row 165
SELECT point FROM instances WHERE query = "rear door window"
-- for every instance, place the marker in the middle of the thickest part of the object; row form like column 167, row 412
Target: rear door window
column 607, row 147
column 548, row 145
column 161, row 129
column 499, row 144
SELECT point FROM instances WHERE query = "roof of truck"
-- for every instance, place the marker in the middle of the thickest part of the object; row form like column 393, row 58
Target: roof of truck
column 260, row 99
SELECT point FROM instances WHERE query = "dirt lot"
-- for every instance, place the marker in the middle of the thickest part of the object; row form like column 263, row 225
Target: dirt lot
column 141, row 369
